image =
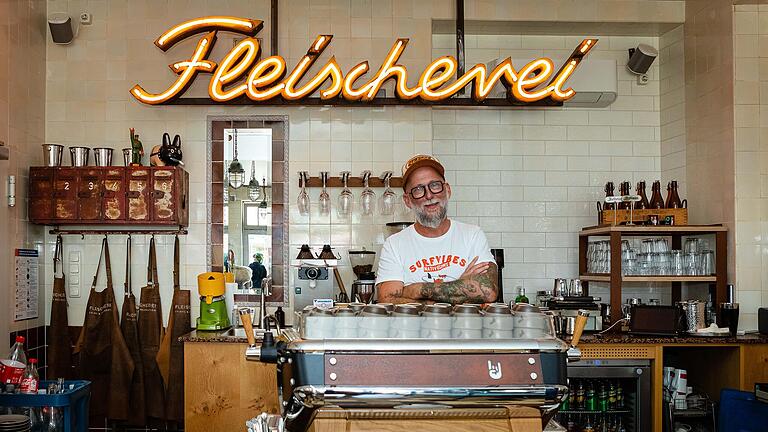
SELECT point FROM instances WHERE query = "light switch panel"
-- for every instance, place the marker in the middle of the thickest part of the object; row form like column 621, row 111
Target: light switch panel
column 73, row 277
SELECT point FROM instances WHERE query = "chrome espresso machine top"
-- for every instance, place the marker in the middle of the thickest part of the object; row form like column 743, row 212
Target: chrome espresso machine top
column 383, row 357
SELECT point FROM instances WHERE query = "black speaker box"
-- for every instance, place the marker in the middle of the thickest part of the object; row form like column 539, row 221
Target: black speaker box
column 762, row 320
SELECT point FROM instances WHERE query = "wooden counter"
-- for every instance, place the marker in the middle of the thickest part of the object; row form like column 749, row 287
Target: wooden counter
column 223, row 390
column 712, row 363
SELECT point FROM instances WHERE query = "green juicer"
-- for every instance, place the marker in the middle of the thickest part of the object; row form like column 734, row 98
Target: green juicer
column 213, row 307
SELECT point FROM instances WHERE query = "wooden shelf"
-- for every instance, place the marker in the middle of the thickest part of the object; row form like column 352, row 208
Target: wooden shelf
column 607, row 278
column 615, row 279
column 595, row 277
column 355, row 182
column 604, row 230
column 669, row 278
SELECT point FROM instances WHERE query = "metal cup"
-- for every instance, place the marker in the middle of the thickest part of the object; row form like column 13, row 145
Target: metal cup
column 52, row 154
column 103, row 156
column 127, row 156
column 79, row 156
column 576, row 290
column 561, row 288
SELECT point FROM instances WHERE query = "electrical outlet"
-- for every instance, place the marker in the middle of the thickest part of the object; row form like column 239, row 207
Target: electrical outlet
column 73, row 278
column 86, row 18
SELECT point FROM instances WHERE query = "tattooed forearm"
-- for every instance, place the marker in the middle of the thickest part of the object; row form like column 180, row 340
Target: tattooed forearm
column 480, row 288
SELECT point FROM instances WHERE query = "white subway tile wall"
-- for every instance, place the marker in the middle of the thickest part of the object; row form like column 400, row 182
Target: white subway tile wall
column 22, row 125
column 751, row 160
column 530, row 178
column 533, row 173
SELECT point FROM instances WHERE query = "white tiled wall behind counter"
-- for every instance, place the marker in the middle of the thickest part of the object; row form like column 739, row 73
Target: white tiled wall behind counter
column 530, row 178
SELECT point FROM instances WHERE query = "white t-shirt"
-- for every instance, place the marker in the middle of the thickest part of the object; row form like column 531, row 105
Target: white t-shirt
column 412, row 258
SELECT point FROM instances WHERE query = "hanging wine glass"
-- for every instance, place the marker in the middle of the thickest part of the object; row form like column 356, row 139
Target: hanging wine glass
column 389, row 197
column 303, row 201
column 345, row 197
column 325, row 199
column 368, row 197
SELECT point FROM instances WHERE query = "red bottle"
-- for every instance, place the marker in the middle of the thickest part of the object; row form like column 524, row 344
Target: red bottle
column 30, row 382
column 12, row 367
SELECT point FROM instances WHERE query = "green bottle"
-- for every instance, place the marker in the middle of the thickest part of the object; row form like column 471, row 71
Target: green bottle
column 521, row 298
column 603, row 398
column 590, row 401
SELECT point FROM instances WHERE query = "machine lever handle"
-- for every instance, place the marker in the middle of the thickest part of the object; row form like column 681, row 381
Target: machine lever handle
column 245, row 318
column 581, row 322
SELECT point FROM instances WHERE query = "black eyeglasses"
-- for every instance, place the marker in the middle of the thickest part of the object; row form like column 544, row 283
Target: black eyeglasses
column 419, row 191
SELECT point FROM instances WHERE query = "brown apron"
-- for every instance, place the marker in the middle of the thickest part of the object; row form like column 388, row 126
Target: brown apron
column 59, row 340
column 170, row 358
column 150, row 334
column 130, row 329
column 104, row 357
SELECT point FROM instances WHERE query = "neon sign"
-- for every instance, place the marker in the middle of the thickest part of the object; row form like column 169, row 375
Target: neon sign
column 243, row 73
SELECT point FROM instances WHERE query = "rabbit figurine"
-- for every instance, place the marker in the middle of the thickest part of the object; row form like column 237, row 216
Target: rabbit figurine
column 167, row 154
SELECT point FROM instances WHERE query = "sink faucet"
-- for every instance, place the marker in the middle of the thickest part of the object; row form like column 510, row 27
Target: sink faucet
column 266, row 290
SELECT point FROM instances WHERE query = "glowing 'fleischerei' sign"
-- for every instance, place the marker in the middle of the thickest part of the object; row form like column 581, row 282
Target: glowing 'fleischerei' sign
column 242, row 72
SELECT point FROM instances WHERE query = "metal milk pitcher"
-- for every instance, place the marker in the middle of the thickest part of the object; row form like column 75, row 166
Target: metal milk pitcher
column 694, row 315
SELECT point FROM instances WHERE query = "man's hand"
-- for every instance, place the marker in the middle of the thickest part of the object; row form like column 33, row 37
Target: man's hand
column 475, row 269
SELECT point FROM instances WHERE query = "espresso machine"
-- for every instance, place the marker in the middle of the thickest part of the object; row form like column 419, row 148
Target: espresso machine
column 362, row 264
column 313, row 281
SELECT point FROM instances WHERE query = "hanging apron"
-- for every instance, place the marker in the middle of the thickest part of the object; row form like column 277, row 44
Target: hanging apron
column 170, row 358
column 130, row 328
column 104, row 357
column 59, row 340
column 150, row 335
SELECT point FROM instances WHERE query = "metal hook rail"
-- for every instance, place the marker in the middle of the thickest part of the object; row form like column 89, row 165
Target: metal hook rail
column 84, row 232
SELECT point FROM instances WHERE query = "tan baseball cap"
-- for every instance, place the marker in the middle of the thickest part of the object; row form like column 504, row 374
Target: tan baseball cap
column 421, row 160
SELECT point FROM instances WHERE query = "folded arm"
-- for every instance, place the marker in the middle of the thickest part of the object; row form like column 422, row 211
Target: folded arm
column 472, row 287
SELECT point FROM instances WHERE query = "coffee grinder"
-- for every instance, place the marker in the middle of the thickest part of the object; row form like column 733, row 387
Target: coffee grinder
column 362, row 265
column 213, row 307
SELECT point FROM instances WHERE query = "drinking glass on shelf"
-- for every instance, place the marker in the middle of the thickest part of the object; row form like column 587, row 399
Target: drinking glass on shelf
column 368, row 197
column 707, row 263
column 647, row 246
column 325, row 199
column 661, row 245
column 692, row 245
column 345, row 197
column 692, row 263
column 389, row 197
column 676, row 263
column 303, row 200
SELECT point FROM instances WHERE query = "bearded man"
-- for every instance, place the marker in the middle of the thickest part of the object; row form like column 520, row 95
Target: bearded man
column 435, row 260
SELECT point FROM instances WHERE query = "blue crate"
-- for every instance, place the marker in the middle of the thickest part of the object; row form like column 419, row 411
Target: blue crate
column 74, row 402
column 741, row 412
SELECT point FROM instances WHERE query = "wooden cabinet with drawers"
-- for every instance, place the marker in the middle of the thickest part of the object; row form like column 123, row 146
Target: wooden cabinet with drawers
column 108, row 195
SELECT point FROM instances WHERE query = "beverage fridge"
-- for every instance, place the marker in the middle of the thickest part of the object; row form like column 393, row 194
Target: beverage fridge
column 608, row 396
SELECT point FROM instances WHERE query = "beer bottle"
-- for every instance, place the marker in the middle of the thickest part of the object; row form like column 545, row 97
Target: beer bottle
column 591, row 401
column 643, row 203
column 580, row 396
column 609, row 193
column 624, row 191
column 603, row 398
column 619, row 396
column 657, row 202
column 612, row 397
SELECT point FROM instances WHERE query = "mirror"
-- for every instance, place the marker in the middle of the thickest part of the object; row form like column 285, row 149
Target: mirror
column 248, row 205
column 243, row 219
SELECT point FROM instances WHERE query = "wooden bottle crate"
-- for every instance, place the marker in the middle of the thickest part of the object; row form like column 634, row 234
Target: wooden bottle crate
column 606, row 217
column 108, row 195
